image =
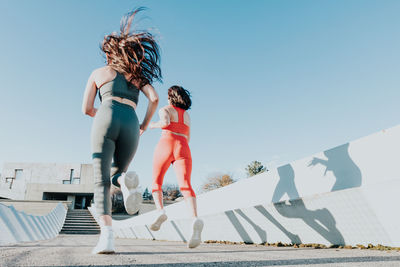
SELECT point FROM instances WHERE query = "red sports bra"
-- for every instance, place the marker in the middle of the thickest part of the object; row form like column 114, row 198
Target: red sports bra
column 180, row 126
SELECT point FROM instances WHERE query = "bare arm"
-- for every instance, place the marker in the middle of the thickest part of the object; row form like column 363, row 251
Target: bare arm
column 164, row 119
column 316, row 161
column 152, row 96
column 89, row 97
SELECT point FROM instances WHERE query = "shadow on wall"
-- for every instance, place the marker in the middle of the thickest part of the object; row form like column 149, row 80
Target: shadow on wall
column 241, row 230
column 321, row 220
column 344, row 169
column 347, row 175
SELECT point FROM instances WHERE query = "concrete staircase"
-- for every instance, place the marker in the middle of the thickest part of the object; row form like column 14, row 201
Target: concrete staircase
column 80, row 222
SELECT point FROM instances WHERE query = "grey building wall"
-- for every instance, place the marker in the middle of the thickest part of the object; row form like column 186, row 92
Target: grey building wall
column 28, row 181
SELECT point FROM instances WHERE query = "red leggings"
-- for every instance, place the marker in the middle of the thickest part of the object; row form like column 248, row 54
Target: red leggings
column 173, row 149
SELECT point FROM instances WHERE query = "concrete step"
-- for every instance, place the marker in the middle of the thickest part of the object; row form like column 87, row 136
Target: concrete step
column 81, row 228
column 87, row 232
column 79, row 217
column 78, row 212
column 76, row 223
column 80, row 222
column 77, row 232
column 80, row 225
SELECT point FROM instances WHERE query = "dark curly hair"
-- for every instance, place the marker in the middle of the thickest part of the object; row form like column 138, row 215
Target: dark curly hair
column 179, row 97
column 135, row 54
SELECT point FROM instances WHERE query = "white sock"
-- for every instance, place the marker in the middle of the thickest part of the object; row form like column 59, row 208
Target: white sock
column 162, row 211
column 106, row 229
column 105, row 244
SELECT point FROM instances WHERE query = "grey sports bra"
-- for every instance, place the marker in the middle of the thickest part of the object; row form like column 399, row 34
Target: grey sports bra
column 119, row 87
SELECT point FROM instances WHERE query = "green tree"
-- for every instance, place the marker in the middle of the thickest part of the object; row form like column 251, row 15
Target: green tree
column 171, row 191
column 117, row 201
column 255, row 167
column 217, row 181
column 147, row 195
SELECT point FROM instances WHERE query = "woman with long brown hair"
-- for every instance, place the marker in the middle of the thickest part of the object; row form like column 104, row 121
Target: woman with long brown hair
column 132, row 65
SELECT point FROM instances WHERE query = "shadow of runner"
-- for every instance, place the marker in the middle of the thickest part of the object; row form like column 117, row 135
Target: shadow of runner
column 297, row 209
column 239, row 227
column 344, row 169
column 261, row 233
column 178, row 231
column 151, row 234
column 295, row 239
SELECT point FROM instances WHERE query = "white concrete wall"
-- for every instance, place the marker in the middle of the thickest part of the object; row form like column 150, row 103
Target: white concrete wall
column 344, row 195
column 17, row 226
column 42, row 207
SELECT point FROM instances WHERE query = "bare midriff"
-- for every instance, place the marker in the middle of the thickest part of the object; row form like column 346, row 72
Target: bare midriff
column 122, row 101
column 168, row 131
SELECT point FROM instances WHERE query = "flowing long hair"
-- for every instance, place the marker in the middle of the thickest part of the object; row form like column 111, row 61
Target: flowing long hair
column 135, row 54
column 179, row 97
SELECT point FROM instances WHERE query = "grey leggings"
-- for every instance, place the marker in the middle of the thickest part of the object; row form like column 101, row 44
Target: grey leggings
column 115, row 137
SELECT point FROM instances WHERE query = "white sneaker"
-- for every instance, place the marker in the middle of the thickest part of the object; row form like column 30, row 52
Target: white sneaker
column 195, row 240
column 105, row 245
column 155, row 226
column 132, row 196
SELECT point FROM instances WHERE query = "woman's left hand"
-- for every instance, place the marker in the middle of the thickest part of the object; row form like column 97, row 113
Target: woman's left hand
column 153, row 125
column 152, row 96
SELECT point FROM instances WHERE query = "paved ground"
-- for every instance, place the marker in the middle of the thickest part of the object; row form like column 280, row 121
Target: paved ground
column 70, row 250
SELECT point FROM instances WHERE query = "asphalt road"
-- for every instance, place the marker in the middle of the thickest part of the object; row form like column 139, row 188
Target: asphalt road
column 74, row 250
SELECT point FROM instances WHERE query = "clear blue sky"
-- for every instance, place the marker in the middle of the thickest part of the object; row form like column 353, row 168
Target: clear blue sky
column 272, row 81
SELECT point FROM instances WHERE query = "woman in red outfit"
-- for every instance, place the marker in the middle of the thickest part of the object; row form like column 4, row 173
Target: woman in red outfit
column 173, row 148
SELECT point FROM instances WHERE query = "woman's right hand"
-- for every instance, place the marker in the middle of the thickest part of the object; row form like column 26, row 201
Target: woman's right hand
column 153, row 125
column 142, row 129
column 92, row 112
column 164, row 119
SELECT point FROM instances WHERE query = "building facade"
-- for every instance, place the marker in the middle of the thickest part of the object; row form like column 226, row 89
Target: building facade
column 48, row 181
